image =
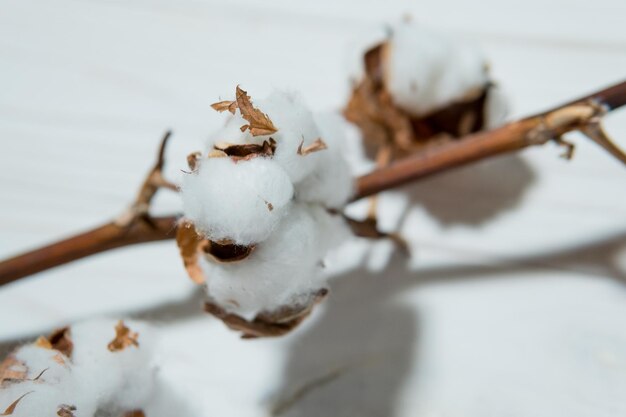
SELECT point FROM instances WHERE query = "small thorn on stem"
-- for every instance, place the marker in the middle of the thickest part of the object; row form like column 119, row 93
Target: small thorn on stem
column 569, row 147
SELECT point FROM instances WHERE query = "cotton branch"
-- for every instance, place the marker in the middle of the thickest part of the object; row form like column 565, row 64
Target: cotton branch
column 137, row 226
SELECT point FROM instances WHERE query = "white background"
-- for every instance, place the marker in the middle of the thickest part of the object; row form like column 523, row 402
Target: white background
column 514, row 301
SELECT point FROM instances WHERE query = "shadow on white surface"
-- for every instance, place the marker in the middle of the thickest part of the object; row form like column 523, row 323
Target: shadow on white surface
column 475, row 194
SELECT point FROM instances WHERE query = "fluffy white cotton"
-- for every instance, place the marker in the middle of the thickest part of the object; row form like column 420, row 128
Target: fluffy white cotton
column 496, row 107
column 227, row 200
column 283, row 270
column 426, row 70
column 242, row 201
column 94, row 380
column 331, row 184
column 295, row 124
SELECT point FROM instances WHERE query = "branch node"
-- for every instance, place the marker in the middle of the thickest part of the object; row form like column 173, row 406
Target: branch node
column 595, row 131
column 139, row 209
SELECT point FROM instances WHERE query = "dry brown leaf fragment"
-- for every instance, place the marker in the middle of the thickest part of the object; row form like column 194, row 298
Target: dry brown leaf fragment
column 267, row 324
column 317, row 145
column 123, row 338
column 221, row 106
column 11, row 408
column 246, row 151
column 135, row 413
column 259, row 123
column 43, row 342
column 66, row 410
column 59, row 340
column 12, row 370
column 193, row 159
column 190, row 243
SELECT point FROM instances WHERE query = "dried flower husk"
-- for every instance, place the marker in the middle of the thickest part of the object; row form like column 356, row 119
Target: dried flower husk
column 11, row 408
column 12, row 370
column 66, row 410
column 267, row 324
column 246, row 151
column 124, row 338
column 259, row 124
column 317, row 145
column 61, row 340
column 192, row 245
column 134, row 413
column 384, row 124
column 225, row 251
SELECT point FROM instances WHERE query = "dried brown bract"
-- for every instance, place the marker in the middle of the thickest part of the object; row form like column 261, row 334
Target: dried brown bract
column 59, row 340
column 11, row 408
column 226, row 251
column 193, row 245
column 267, row 324
column 190, row 245
column 134, row 413
column 12, row 370
column 123, row 338
column 246, row 151
column 66, row 410
column 192, row 160
column 317, row 145
column 221, row 106
column 259, row 123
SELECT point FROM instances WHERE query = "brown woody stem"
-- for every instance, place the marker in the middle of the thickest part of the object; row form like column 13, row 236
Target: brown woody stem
column 581, row 115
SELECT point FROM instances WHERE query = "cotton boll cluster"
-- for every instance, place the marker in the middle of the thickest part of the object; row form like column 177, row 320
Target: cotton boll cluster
column 419, row 86
column 260, row 206
column 94, row 367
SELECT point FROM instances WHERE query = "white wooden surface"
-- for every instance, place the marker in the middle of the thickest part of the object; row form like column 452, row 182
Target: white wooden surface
column 514, row 303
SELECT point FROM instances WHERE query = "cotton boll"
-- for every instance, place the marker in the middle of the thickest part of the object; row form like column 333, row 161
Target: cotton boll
column 331, row 184
column 91, row 380
column 426, row 71
column 125, row 378
column 283, row 270
column 242, row 201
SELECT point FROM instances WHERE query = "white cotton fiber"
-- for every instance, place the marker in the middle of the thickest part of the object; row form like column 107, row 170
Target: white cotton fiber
column 496, row 107
column 295, row 124
column 283, row 270
column 238, row 200
column 92, row 380
column 426, row 71
column 331, row 184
